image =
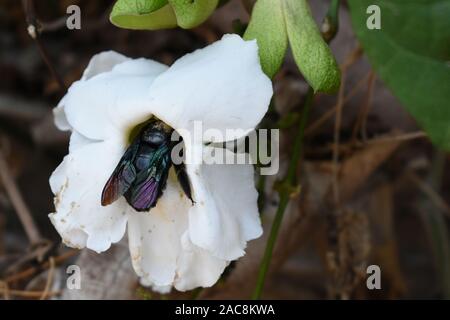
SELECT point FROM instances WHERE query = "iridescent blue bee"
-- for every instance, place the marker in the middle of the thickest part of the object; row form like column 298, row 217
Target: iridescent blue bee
column 142, row 172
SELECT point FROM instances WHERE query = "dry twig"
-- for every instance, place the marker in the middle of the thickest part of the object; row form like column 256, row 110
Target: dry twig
column 4, row 287
column 327, row 115
column 34, row 32
column 361, row 122
column 33, row 270
column 18, row 203
column 29, row 294
column 49, row 278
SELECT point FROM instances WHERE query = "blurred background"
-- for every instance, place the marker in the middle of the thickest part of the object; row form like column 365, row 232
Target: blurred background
column 394, row 184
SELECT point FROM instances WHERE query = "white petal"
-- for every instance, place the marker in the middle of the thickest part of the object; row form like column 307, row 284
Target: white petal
column 160, row 289
column 101, row 62
column 154, row 236
column 197, row 267
column 225, row 215
column 77, row 141
column 112, row 103
column 58, row 177
column 60, row 116
column 77, row 183
column 222, row 85
column 161, row 251
column 140, row 67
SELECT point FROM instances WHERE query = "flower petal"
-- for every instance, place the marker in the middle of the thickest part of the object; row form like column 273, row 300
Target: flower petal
column 154, row 236
column 99, row 63
column 77, row 184
column 111, row 103
column 60, row 116
column 102, row 62
column 196, row 267
column 225, row 215
column 77, row 140
column 222, row 85
column 160, row 289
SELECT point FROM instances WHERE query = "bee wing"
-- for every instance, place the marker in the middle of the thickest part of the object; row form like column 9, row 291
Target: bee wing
column 149, row 184
column 122, row 177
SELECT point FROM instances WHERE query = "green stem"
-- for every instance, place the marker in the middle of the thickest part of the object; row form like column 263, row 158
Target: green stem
column 331, row 25
column 288, row 183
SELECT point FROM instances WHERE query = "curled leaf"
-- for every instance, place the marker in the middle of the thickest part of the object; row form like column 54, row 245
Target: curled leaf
column 312, row 55
column 143, row 14
column 274, row 23
column 268, row 27
column 191, row 13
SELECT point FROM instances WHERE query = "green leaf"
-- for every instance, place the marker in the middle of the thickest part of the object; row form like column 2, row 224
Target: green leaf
column 274, row 23
column 191, row 13
column 151, row 5
column 312, row 55
column 267, row 26
column 143, row 14
column 411, row 54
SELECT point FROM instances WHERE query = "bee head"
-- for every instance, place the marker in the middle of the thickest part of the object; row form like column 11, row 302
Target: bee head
column 155, row 133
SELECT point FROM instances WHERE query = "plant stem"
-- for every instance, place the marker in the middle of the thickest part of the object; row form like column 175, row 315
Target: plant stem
column 34, row 32
column 330, row 27
column 22, row 210
column 288, row 184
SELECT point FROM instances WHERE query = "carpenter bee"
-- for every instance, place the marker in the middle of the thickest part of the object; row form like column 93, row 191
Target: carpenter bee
column 142, row 172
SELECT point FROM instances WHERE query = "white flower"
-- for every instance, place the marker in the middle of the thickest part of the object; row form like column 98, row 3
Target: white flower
column 175, row 243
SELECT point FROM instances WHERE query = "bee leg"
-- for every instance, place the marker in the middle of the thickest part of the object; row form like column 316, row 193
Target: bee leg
column 184, row 181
